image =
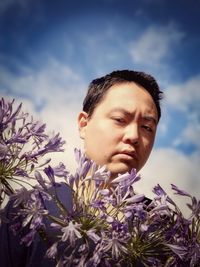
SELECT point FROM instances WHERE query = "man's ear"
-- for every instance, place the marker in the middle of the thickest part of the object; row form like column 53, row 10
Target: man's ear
column 82, row 123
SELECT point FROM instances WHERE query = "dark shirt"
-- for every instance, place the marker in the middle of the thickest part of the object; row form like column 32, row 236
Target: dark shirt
column 14, row 254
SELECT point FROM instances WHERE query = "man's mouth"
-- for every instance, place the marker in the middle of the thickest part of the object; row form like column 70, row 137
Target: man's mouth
column 129, row 155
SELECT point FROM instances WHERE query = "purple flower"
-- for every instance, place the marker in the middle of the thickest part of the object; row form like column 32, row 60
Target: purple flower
column 7, row 116
column 135, row 198
column 92, row 235
column 144, row 227
column 100, row 175
column 137, row 210
column 53, row 145
column 194, row 207
column 41, row 180
column 160, row 208
column 20, row 196
column 83, row 169
column 179, row 191
column 79, row 156
column 37, row 131
column 52, row 251
column 195, row 254
column 21, row 172
column 126, row 179
column 18, row 138
column 23, row 143
column 116, row 245
column 33, row 212
column 181, row 251
column 71, row 232
column 159, row 191
column 99, row 203
column 50, row 174
column 120, row 227
column 60, row 170
column 152, row 261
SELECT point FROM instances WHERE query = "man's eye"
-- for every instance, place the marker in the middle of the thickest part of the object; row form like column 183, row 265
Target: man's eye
column 147, row 128
column 119, row 120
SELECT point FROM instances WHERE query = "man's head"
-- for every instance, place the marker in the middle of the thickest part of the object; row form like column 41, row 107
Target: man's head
column 119, row 120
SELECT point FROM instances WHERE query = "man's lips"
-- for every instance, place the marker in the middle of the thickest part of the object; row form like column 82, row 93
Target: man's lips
column 128, row 154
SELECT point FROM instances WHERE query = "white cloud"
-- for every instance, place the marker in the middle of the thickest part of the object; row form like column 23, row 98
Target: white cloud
column 58, row 91
column 192, row 134
column 185, row 96
column 63, row 119
column 54, row 82
column 167, row 166
column 155, row 44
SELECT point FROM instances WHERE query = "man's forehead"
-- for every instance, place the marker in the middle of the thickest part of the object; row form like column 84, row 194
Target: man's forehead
column 116, row 93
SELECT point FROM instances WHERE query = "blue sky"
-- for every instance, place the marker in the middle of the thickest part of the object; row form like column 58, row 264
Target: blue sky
column 50, row 51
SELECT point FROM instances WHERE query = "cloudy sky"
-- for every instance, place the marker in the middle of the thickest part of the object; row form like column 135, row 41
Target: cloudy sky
column 51, row 50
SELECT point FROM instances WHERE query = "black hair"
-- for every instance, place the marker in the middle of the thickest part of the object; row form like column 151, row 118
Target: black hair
column 98, row 88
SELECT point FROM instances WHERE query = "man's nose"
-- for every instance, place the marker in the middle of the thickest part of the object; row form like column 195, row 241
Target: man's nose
column 131, row 134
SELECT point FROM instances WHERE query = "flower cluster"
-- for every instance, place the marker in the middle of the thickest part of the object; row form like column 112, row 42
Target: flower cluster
column 98, row 221
column 23, row 144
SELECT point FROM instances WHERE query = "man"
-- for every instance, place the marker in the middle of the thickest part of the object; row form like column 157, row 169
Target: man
column 118, row 125
column 119, row 120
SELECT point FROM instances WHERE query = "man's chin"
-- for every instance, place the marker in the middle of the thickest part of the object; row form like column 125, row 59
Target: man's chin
column 119, row 168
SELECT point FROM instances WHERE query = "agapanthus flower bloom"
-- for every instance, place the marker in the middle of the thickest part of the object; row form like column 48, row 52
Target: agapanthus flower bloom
column 52, row 251
column 115, row 245
column 103, row 222
column 71, row 231
column 23, row 143
column 179, row 191
column 33, row 211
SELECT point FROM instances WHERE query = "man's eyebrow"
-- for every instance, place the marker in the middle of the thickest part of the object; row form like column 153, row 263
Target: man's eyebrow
column 122, row 110
column 150, row 118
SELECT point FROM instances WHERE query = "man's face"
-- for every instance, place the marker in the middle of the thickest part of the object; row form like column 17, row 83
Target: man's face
column 121, row 131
